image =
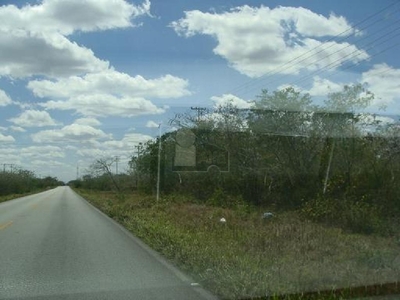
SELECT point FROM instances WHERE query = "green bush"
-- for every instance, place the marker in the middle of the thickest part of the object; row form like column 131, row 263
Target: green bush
column 351, row 214
column 221, row 198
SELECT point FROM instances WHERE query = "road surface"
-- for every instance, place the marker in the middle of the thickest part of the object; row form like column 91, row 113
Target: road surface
column 55, row 245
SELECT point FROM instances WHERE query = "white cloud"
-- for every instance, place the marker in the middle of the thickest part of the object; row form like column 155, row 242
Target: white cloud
column 369, row 123
column 46, row 164
column 29, row 158
column 256, row 41
column 311, row 24
column 6, row 138
column 42, row 152
column 369, row 119
column 70, row 133
column 70, row 147
column 111, row 82
column 123, row 148
column 109, row 93
column 4, row 99
column 152, row 124
column 285, row 86
column 231, row 122
column 92, row 153
column 9, row 153
column 43, row 160
column 323, row 87
column 127, row 142
column 101, row 105
column 384, row 120
column 320, row 87
column 66, row 17
column 88, row 121
column 33, row 118
column 33, row 38
column 229, row 98
column 384, row 81
column 17, row 129
column 25, row 54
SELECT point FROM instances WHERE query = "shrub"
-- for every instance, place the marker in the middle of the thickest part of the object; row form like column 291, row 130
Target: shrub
column 221, row 198
column 351, row 214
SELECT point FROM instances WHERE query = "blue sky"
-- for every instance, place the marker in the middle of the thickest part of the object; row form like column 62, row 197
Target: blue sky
column 81, row 80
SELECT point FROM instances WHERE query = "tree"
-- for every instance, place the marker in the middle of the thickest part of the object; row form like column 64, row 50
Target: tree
column 343, row 127
column 287, row 146
column 102, row 166
column 18, row 181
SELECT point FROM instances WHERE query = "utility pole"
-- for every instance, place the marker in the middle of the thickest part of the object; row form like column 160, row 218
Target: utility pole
column 139, row 148
column 77, row 172
column 159, row 163
column 11, row 167
column 200, row 111
column 116, row 165
column 329, row 167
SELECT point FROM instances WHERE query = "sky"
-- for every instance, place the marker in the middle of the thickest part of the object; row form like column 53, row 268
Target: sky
column 87, row 79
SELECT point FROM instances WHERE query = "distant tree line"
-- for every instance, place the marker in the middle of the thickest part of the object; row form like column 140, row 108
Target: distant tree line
column 19, row 181
column 328, row 160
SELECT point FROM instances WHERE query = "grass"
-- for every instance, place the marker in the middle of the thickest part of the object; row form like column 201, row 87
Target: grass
column 14, row 196
column 248, row 256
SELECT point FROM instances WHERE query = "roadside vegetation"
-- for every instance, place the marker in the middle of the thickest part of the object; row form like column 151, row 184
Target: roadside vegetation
column 17, row 182
column 326, row 175
column 248, row 256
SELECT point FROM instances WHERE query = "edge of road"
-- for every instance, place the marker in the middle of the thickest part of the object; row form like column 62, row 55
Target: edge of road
column 22, row 197
column 178, row 273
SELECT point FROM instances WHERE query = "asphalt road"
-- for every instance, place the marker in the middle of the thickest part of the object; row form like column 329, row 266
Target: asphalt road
column 55, row 245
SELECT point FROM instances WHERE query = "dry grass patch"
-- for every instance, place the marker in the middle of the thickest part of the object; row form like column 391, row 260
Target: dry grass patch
column 248, row 256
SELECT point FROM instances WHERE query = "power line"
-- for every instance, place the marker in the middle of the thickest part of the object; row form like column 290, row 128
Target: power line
column 336, row 63
column 296, row 60
column 375, row 55
column 350, row 56
column 200, row 111
column 353, row 54
column 11, row 167
column 386, row 70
